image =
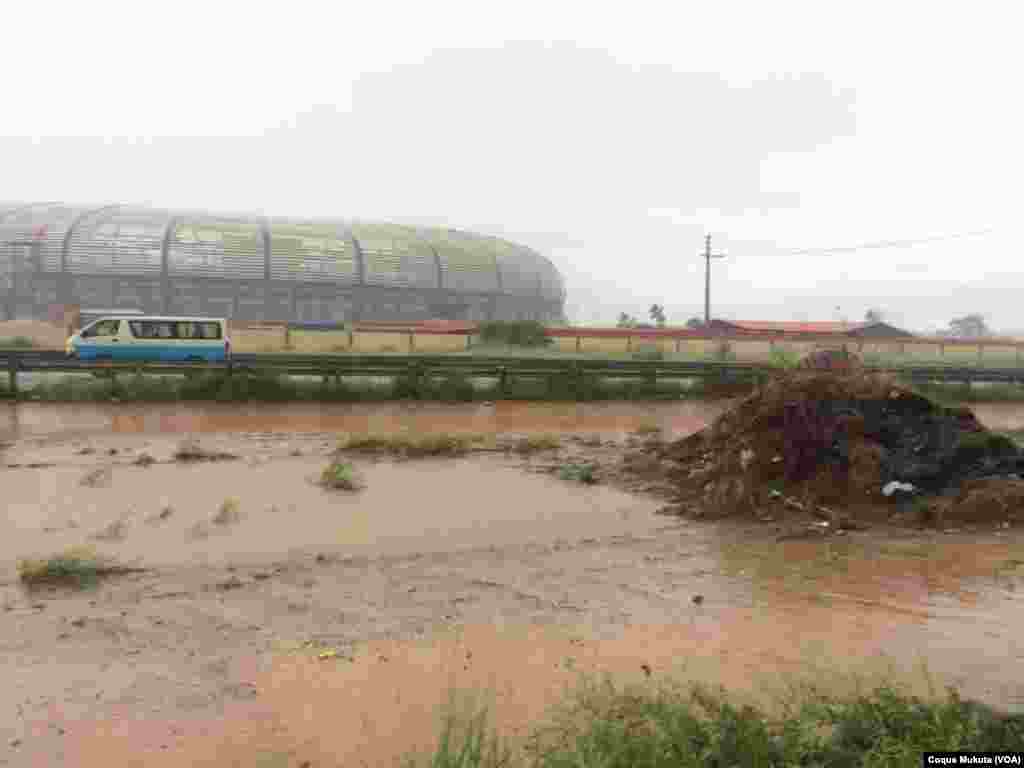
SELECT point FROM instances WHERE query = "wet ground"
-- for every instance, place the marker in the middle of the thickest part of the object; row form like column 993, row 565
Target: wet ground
column 322, row 629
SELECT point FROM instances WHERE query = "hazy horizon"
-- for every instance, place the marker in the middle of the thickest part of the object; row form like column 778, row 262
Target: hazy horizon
column 610, row 142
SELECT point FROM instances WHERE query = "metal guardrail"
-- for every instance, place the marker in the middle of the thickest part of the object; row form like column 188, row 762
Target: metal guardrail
column 421, row 366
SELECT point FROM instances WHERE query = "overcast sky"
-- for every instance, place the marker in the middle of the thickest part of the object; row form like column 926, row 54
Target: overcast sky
column 611, row 137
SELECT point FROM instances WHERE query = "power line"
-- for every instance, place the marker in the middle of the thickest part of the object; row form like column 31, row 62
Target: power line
column 885, row 244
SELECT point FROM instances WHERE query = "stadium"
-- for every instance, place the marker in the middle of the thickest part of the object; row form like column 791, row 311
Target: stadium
column 253, row 268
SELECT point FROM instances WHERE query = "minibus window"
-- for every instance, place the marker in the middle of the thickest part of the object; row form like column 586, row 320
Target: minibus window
column 210, row 330
column 102, row 328
column 185, row 330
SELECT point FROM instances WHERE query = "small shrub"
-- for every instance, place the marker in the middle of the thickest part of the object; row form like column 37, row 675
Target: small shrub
column 79, row 567
column 340, row 476
column 522, row 333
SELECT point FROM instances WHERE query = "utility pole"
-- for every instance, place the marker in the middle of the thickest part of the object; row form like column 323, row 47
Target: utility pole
column 708, row 256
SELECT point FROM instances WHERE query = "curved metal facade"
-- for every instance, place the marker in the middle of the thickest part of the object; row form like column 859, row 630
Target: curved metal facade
column 256, row 268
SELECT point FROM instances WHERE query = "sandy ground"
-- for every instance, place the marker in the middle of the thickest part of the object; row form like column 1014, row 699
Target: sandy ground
column 326, row 629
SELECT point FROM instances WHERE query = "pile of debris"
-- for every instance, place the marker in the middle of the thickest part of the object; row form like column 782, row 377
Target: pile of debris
column 845, row 445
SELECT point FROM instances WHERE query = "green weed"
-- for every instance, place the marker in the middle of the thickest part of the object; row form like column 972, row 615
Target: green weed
column 78, row 567
column 578, row 473
column 676, row 727
column 341, row 476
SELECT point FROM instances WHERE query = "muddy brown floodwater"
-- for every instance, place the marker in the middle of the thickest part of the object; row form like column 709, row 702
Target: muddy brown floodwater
column 325, row 629
column 81, row 419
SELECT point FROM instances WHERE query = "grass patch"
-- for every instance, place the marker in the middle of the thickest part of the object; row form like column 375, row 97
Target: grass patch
column 536, row 444
column 340, row 476
column 411, row 446
column 17, row 342
column 578, row 473
column 76, row 567
column 265, row 386
column 668, row 726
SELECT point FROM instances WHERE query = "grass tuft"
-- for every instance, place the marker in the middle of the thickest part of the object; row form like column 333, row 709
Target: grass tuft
column 340, row 476
column 78, row 567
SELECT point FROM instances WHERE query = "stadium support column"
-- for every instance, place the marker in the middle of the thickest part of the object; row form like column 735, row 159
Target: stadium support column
column 268, row 285
column 165, row 275
column 360, row 289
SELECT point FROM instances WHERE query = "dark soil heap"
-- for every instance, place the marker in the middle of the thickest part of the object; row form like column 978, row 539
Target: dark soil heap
column 833, row 439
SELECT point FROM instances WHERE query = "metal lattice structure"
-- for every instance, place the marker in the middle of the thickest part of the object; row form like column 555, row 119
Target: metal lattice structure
column 255, row 268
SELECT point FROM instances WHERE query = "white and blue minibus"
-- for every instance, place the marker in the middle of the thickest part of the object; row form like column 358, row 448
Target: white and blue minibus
column 152, row 338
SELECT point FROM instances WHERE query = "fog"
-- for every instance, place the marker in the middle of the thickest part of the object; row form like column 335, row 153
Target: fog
column 610, row 141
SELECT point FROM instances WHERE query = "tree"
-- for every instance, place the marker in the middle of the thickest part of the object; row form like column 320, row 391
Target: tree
column 695, row 323
column 874, row 315
column 657, row 313
column 627, row 321
column 969, row 326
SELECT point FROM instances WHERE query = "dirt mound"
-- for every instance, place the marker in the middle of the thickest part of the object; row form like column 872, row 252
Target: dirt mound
column 988, row 500
column 833, row 439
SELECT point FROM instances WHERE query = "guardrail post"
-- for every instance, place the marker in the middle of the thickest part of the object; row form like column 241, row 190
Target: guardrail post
column 469, row 340
column 502, row 381
column 287, row 336
column 351, row 339
column 629, row 343
column 12, row 373
column 579, row 341
column 412, row 341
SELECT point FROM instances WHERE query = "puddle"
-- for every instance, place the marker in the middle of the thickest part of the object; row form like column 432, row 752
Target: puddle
column 39, row 420
column 424, row 506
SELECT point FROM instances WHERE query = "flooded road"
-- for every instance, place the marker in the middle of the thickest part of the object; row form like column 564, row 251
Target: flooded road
column 675, row 418
column 43, row 420
column 164, row 515
column 250, row 634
